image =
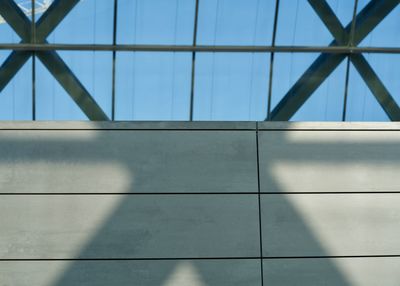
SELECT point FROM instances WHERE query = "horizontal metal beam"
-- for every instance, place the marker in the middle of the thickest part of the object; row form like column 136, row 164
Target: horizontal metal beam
column 202, row 48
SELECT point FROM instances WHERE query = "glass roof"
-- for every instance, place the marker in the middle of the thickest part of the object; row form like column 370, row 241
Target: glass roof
column 300, row 60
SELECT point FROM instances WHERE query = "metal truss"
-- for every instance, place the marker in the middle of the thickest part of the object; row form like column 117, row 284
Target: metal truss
column 199, row 48
column 343, row 46
column 326, row 63
column 26, row 6
column 17, row 19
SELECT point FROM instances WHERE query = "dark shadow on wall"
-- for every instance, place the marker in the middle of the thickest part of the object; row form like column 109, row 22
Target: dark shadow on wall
column 183, row 218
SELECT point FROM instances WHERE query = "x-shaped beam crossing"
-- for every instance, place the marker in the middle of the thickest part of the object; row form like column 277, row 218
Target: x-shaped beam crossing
column 325, row 64
column 16, row 18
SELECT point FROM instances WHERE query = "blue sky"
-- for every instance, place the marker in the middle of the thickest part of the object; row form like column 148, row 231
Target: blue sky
column 228, row 86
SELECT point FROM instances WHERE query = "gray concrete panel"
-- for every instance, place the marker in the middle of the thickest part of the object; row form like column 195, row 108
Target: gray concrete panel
column 366, row 271
column 341, row 126
column 298, row 225
column 329, row 161
column 143, row 273
column 128, row 226
column 123, row 161
column 127, row 125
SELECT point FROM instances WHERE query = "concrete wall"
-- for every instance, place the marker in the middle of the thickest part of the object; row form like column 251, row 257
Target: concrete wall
column 199, row 204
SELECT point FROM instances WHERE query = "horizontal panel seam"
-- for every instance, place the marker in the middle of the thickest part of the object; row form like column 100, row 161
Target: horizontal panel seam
column 133, row 259
column 203, row 258
column 196, row 193
column 127, row 194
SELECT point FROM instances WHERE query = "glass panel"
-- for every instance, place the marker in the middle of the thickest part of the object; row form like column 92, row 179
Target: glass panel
column 153, row 86
column 93, row 69
column 361, row 103
column 387, row 33
column 155, row 21
column 7, row 34
column 298, row 23
column 231, row 86
column 326, row 103
column 387, row 67
column 89, row 22
column 16, row 97
column 235, row 22
column 40, row 6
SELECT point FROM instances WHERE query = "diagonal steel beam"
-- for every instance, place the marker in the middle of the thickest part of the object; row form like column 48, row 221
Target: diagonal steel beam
column 11, row 66
column 71, row 84
column 52, row 17
column 368, row 18
column 378, row 89
column 57, row 67
column 328, row 17
column 372, row 80
column 325, row 64
column 16, row 18
column 21, row 24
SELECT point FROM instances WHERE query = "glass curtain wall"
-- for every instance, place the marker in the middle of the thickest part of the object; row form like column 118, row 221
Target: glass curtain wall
column 299, row 60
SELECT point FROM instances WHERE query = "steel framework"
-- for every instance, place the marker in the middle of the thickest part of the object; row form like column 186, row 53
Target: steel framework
column 344, row 45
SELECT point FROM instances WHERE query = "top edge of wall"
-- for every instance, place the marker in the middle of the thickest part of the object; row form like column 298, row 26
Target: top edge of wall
column 126, row 125
column 194, row 125
column 328, row 125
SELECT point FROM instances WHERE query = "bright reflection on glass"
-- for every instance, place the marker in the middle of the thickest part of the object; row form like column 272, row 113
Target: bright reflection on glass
column 231, row 86
column 7, row 34
column 235, row 22
column 155, row 21
column 152, row 86
column 89, row 22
